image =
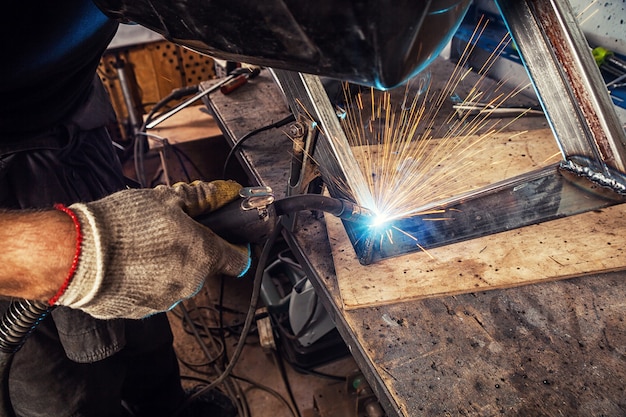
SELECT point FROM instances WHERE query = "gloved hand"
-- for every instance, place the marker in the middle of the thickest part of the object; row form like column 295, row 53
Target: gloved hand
column 142, row 252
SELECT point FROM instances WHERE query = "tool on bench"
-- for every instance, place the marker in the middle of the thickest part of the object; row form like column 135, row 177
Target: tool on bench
column 218, row 85
column 610, row 63
column 239, row 80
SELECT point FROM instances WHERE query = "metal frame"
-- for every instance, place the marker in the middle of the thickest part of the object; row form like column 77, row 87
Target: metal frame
column 580, row 112
column 567, row 80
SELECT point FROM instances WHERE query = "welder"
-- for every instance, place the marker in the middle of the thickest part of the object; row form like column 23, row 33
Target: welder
column 103, row 253
column 55, row 149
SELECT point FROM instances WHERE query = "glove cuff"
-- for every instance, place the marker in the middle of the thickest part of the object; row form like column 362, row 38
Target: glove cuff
column 89, row 271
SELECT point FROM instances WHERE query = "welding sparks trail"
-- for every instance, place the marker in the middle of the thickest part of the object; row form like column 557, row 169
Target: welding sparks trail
column 406, row 159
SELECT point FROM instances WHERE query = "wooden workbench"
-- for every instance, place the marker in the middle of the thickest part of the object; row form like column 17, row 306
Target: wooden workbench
column 556, row 348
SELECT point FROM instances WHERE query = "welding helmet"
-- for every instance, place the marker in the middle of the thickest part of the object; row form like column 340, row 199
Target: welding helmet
column 379, row 43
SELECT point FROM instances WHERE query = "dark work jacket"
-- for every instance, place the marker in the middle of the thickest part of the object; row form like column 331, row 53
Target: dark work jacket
column 51, row 52
column 54, row 146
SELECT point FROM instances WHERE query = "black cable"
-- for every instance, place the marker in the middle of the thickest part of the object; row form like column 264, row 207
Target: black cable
column 254, row 299
column 289, row 334
column 179, row 154
column 253, row 385
column 221, row 315
column 176, row 94
column 267, row 389
column 232, row 328
column 195, row 367
column 301, row 202
column 283, row 374
column 288, row 260
column 313, row 372
column 231, row 389
column 250, row 134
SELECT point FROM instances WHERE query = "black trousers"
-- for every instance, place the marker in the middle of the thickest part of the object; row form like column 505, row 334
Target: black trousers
column 73, row 364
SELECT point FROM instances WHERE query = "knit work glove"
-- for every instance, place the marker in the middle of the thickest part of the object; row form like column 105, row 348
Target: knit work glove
column 142, row 252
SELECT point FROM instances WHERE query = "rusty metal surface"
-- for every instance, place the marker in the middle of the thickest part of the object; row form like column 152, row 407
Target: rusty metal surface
column 255, row 105
column 552, row 349
column 566, row 77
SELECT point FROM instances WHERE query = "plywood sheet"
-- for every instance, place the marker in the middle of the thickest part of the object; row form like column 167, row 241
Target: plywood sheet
column 578, row 245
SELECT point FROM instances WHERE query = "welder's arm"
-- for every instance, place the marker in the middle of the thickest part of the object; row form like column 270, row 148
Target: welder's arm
column 36, row 253
column 141, row 251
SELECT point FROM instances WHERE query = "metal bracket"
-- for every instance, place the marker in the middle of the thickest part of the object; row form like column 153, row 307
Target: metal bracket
column 303, row 168
column 257, row 198
column 568, row 82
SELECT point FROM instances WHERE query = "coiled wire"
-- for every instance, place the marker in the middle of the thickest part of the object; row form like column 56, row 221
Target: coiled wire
column 19, row 321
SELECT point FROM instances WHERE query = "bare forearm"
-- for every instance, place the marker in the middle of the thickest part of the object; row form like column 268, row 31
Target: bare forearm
column 129, row 255
column 36, row 254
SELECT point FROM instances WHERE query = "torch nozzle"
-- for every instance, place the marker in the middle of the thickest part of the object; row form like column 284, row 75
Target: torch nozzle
column 341, row 208
column 252, row 218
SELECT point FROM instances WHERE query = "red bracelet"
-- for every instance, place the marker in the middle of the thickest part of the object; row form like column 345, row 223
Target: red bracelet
column 79, row 241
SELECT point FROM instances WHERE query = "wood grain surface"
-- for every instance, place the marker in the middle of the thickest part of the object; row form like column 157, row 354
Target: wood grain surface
column 569, row 247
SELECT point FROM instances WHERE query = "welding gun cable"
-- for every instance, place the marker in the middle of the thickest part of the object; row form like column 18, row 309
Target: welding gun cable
column 343, row 209
column 289, row 119
column 18, row 322
column 239, row 225
column 230, row 389
column 254, row 299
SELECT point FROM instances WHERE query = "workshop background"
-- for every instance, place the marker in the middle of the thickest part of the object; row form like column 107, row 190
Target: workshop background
column 139, row 70
column 275, row 375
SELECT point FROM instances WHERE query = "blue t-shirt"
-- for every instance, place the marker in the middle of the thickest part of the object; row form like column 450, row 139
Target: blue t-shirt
column 51, row 54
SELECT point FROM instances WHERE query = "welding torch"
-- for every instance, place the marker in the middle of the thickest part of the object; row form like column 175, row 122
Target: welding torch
column 252, row 217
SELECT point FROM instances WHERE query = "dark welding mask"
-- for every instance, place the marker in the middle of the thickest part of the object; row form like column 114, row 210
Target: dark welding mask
column 379, row 43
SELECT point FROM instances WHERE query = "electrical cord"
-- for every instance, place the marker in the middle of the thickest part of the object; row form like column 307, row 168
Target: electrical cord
column 288, row 260
column 215, row 330
column 253, row 385
column 244, row 138
column 289, row 334
column 269, row 390
column 180, row 155
column 254, row 298
column 313, row 372
column 283, row 374
column 231, row 389
column 221, row 315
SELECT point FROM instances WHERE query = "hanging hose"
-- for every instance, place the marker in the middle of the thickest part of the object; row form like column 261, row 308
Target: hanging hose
column 19, row 321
